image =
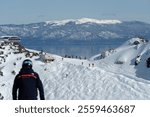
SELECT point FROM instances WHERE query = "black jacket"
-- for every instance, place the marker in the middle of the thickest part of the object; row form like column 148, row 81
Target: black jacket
column 26, row 83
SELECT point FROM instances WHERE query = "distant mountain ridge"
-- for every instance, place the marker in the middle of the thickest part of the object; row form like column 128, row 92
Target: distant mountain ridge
column 83, row 21
column 80, row 29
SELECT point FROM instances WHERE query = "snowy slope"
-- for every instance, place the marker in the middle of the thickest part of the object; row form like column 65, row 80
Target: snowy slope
column 79, row 79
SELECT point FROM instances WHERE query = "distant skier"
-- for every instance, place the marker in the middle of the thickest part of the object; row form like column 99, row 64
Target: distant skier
column 26, row 83
column 137, row 60
column 148, row 62
column 82, row 63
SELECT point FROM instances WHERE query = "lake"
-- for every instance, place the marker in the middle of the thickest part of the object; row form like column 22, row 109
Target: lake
column 72, row 48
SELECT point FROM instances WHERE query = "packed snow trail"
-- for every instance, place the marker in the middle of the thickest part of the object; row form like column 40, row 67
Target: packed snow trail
column 85, row 83
column 63, row 80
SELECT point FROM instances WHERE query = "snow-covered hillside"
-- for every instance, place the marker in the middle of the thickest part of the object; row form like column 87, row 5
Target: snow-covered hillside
column 111, row 75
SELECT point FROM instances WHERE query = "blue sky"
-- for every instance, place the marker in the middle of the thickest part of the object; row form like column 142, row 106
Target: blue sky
column 30, row 11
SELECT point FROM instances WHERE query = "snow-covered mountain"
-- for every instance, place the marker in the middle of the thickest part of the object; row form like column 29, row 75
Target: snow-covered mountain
column 109, row 75
column 79, row 29
column 83, row 21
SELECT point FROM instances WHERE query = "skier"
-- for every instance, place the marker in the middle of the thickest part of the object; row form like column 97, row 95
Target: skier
column 137, row 60
column 148, row 62
column 26, row 83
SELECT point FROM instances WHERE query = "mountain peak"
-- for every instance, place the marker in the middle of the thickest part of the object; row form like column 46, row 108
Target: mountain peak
column 82, row 21
column 88, row 20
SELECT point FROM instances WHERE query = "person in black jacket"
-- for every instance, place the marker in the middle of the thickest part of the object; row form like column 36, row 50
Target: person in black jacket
column 26, row 83
column 148, row 62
